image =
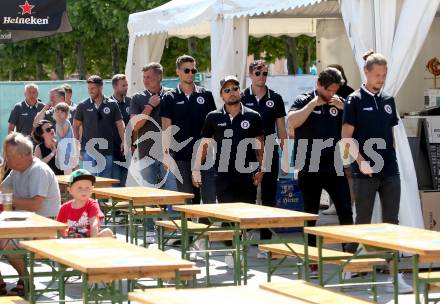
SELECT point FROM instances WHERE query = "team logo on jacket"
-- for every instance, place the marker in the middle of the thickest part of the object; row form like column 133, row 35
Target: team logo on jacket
column 333, row 111
column 270, row 103
column 106, row 110
column 245, row 124
column 127, row 109
column 388, row 109
column 200, row 100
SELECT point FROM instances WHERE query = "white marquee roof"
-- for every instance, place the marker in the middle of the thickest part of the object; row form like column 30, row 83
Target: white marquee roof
column 192, row 18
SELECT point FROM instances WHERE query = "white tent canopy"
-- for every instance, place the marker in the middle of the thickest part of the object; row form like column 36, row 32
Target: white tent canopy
column 200, row 18
column 175, row 15
column 260, row 27
column 230, row 22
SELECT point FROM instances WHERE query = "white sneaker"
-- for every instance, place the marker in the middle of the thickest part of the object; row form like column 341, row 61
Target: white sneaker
column 330, row 210
column 404, row 287
column 262, row 254
column 151, row 239
column 153, row 246
column 193, row 256
column 229, row 261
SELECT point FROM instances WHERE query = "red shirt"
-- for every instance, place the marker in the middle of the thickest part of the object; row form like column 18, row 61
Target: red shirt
column 78, row 220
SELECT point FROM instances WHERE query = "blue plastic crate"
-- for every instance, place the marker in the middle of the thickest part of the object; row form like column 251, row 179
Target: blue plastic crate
column 289, row 197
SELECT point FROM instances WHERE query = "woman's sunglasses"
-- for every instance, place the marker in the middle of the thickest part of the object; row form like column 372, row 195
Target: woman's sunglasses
column 258, row 73
column 187, row 71
column 229, row 90
column 48, row 129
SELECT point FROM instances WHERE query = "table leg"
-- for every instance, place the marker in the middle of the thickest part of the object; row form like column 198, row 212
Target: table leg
column 120, row 291
column 85, row 288
column 31, row 278
column 319, row 240
column 178, row 280
column 237, row 264
column 395, row 270
column 113, row 215
column 245, row 252
column 306, row 254
column 416, row 281
column 184, row 234
column 113, row 292
column 130, row 221
column 61, row 283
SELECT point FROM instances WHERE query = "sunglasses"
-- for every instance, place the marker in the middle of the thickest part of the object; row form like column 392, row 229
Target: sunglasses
column 258, row 73
column 229, row 90
column 48, row 129
column 187, row 71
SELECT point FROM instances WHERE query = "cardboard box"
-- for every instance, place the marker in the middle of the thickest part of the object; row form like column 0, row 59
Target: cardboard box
column 430, row 201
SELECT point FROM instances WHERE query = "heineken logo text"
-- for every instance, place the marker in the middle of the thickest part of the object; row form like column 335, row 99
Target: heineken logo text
column 27, row 20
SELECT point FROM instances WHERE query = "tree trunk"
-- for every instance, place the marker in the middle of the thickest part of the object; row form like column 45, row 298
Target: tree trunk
column 39, row 71
column 12, row 75
column 309, row 55
column 292, row 61
column 59, row 63
column 192, row 45
column 80, row 60
column 115, row 56
column 304, row 61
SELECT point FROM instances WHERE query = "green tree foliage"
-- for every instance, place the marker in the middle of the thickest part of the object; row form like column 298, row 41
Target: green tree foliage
column 99, row 40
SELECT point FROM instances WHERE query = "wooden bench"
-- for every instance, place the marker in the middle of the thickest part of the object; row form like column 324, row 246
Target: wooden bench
column 116, row 204
column 213, row 236
column 195, row 229
column 355, row 265
column 144, row 211
column 186, row 274
column 111, row 209
column 344, row 263
column 311, row 293
column 426, row 277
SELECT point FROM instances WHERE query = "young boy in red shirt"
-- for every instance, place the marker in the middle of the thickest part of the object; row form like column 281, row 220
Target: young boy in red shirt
column 82, row 214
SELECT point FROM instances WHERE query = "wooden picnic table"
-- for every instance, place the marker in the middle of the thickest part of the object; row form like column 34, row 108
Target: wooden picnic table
column 23, row 224
column 105, row 260
column 243, row 217
column 142, row 197
column 13, row 300
column 292, row 292
column 423, row 244
column 15, row 225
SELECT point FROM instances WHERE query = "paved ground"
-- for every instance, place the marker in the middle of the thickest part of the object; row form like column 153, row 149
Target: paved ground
column 221, row 273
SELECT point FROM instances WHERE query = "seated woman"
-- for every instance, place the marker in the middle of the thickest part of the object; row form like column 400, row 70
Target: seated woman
column 46, row 150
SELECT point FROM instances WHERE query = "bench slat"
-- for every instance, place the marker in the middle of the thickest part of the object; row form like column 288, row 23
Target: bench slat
column 147, row 210
column 283, row 250
column 219, row 235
